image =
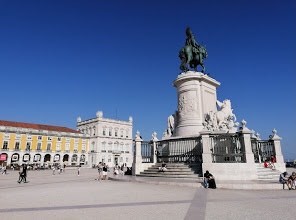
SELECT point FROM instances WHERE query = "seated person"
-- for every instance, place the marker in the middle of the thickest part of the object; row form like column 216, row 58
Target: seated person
column 163, row 167
column 265, row 164
column 209, row 180
column 284, row 179
column 292, row 181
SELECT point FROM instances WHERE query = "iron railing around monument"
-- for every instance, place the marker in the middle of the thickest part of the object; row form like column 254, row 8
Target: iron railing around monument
column 181, row 150
column 227, row 148
column 146, row 151
column 262, row 149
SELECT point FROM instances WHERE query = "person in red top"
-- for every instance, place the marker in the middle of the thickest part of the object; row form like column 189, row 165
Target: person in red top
column 272, row 161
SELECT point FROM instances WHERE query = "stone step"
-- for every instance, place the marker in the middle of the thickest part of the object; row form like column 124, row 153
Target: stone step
column 169, row 176
column 178, row 165
column 171, row 169
column 168, row 173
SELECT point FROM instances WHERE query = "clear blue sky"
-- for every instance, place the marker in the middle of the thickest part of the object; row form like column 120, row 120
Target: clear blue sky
column 64, row 59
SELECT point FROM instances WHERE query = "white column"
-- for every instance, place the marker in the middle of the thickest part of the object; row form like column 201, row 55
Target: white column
column 246, row 133
column 137, row 163
column 196, row 96
column 154, row 150
column 277, row 146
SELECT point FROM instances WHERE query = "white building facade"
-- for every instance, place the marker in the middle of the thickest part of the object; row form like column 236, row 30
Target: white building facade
column 110, row 140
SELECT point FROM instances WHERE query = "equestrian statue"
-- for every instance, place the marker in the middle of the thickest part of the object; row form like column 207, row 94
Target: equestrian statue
column 192, row 54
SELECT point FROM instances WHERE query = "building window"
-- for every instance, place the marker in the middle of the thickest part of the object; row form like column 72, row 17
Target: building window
column 18, row 136
column 127, row 148
column 127, row 133
column 67, row 146
column 103, row 159
column 94, row 131
column 109, row 158
column 39, row 138
column 110, row 132
column 116, row 146
column 110, row 147
column 59, row 139
column 17, row 145
column 121, row 133
column 103, row 146
column 68, row 139
column 76, row 140
column 29, row 137
column 38, row 146
column 6, row 136
column 48, row 148
column 75, row 146
column 104, row 131
column 28, row 146
column 49, row 138
column 5, row 145
column 121, row 147
column 58, row 148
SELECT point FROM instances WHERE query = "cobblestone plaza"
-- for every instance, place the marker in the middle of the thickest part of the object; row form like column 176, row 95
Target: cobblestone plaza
column 68, row 196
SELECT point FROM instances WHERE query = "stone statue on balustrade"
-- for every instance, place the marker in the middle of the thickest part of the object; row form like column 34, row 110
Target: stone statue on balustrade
column 192, row 54
column 171, row 124
column 222, row 119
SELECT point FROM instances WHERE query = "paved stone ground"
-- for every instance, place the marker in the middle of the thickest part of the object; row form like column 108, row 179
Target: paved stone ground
column 68, row 196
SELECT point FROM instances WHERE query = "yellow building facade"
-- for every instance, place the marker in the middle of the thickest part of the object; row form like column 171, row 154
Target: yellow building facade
column 41, row 144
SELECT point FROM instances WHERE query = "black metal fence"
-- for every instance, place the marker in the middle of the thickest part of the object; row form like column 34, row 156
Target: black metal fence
column 147, row 151
column 185, row 150
column 262, row 149
column 227, row 149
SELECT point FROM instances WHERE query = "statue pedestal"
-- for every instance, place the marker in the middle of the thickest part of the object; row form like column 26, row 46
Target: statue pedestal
column 196, row 96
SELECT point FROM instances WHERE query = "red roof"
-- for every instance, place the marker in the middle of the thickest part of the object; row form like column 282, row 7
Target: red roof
column 37, row 126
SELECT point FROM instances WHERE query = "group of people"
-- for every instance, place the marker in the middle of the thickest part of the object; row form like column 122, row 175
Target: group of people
column 270, row 163
column 58, row 167
column 120, row 169
column 163, row 167
column 103, row 171
column 290, row 181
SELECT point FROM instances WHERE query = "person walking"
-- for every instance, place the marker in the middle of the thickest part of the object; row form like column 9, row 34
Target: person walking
column 23, row 174
column 78, row 170
column 100, row 171
column 4, row 170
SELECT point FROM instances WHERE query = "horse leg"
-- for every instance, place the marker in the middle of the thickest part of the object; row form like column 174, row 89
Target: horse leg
column 203, row 68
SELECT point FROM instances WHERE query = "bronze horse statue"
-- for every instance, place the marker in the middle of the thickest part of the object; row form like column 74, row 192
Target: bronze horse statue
column 191, row 57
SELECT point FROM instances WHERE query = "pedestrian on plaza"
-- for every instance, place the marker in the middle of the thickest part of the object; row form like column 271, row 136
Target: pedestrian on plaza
column 53, row 170
column 23, row 174
column 209, row 180
column 105, row 172
column 4, row 170
column 284, row 180
column 78, row 170
column 292, row 181
column 100, row 171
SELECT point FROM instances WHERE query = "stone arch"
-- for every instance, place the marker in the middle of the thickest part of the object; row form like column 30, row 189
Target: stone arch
column 26, row 158
column 3, row 158
column 47, row 158
column 66, row 158
column 15, row 158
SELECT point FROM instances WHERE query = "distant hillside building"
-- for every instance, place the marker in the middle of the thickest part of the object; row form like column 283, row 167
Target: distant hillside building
column 110, row 140
column 41, row 144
